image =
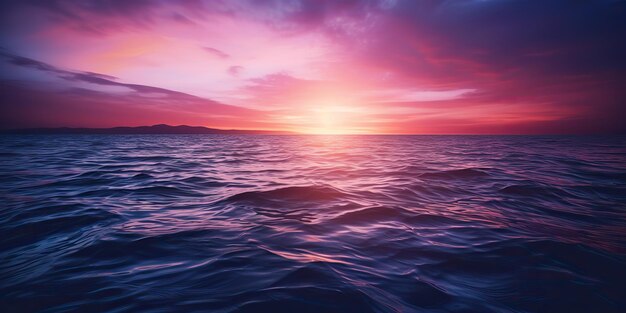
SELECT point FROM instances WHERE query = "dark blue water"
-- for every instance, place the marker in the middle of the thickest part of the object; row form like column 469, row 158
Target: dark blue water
column 207, row 223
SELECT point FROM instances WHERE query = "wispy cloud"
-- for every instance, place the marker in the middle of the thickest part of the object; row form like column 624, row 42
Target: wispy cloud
column 216, row 52
column 553, row 66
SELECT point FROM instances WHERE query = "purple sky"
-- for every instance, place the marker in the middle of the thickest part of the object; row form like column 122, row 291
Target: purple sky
column 467, row 66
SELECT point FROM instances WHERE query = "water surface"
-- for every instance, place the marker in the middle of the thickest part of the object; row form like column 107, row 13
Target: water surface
column 163, row 223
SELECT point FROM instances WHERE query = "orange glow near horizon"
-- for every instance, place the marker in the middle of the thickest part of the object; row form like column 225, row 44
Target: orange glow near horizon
column 319, row 67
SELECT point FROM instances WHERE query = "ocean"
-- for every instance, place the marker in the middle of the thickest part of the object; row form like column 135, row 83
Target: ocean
column 260, row 223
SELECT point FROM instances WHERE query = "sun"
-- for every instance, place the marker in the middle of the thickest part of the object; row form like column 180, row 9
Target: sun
column 332, row 120
column 328, row 121
column 328, row 113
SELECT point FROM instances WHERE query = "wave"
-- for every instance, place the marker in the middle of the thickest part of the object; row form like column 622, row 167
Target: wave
column 465, row 173
column 312, row 224
column 313, row 193
column 156, row 191
column 371, row 214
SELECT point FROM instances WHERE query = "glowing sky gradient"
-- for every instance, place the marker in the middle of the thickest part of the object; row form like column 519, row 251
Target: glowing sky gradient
column 443, row 67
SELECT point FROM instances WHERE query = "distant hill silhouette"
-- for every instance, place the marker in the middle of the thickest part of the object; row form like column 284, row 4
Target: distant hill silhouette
column 143, row 130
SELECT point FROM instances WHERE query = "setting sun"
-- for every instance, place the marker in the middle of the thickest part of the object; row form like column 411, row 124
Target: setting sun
column 332, row 120
column 309, row 156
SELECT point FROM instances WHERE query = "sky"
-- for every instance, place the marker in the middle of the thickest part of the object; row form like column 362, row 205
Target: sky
column 326, row 67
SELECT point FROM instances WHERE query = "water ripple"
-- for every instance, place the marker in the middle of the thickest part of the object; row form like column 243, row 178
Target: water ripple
column 312, row 223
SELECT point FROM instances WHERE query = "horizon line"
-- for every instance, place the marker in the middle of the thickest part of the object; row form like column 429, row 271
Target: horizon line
column 271, row 132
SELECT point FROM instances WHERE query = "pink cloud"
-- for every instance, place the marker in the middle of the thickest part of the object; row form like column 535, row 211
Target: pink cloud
column 375, row 66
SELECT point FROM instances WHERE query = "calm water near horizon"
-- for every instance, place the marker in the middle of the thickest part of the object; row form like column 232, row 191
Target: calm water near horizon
column 225, row 223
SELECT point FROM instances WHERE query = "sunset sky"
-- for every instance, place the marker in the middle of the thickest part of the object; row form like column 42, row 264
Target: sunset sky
column 440, row 67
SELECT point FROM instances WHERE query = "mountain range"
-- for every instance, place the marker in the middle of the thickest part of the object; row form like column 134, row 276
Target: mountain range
column 144, row 130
